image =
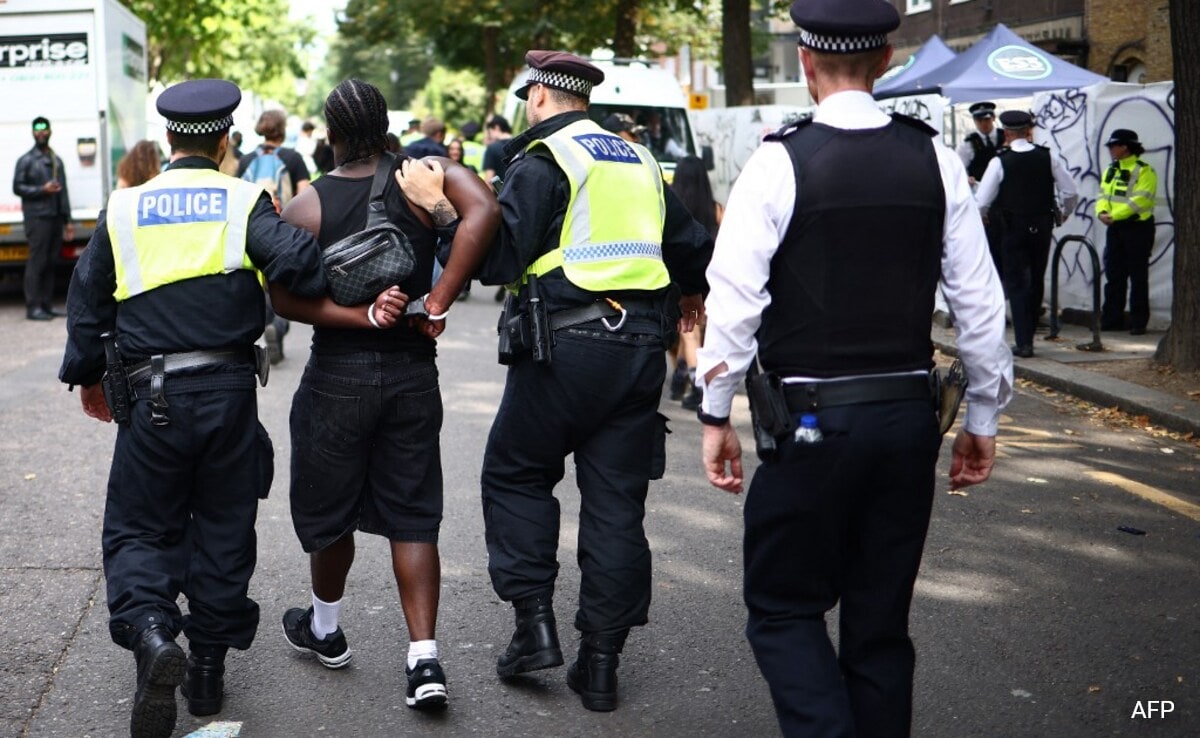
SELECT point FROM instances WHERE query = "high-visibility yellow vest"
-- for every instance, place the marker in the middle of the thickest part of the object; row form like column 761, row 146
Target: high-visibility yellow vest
column 612, row 234
column 473, row 155
column 182, row 224
column 1127, row 190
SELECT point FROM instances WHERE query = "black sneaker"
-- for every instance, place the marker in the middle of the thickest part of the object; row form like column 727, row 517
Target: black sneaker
column 426, row 686
column 331, row 650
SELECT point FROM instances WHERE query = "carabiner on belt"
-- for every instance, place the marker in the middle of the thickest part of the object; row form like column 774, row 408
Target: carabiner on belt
column 624, row 314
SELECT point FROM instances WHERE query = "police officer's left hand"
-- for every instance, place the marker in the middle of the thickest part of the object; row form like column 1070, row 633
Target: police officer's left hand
column 721, row 446
column 92, row 397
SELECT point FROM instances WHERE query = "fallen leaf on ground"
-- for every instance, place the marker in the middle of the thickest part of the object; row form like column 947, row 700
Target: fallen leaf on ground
column 1036, row 480
column 958, row 493
column 30, row 477
column 1093, row 689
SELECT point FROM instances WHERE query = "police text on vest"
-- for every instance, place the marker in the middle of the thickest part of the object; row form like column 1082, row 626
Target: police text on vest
column 182, row 205
column 608, row 148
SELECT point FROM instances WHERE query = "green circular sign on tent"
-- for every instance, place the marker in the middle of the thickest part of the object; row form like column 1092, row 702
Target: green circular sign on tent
column 1019, row 62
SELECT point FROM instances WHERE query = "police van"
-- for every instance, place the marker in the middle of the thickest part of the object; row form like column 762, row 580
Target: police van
column 649, row 95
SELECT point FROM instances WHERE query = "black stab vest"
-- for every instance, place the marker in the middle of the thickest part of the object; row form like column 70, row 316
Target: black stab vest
column 1028, row 184
column 983, row 153
column 852, row 284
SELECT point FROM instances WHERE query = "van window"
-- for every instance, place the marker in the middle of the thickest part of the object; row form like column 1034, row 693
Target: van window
column 667, row 133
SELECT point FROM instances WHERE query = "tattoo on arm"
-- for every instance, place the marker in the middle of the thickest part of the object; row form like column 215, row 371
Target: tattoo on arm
column 443, row 213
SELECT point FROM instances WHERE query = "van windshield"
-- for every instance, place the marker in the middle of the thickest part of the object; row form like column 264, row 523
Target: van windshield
column 665, row 131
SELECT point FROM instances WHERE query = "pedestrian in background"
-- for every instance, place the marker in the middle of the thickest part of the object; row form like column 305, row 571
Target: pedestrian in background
column 432, row 141
column 694, row 190
column 140, row 164
column 284, row 174
column 1126, row 207
column 191, row 460
column 824, row 272
column 496, row 136
column 1026, row 189
column 41, row 182
column 592, row 241
column 367, row 415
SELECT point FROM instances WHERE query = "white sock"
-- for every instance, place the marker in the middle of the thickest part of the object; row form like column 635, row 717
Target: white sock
column 325, row 617
column 418, row 650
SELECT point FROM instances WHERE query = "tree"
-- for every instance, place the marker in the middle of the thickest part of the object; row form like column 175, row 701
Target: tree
column 1181, row 346
column 249, row 42
column 737, row 53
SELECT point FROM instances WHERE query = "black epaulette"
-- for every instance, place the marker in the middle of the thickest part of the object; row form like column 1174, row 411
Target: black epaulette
column 921, row 126
column 789, row 128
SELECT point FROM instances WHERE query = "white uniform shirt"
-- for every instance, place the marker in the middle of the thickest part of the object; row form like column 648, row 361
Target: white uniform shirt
column 989, row 186
column 756, row 219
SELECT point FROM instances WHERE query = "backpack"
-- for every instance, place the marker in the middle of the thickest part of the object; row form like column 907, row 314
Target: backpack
column 267, row 170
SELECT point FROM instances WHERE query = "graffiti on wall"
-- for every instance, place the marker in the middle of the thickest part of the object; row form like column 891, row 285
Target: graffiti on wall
column 1075, row 124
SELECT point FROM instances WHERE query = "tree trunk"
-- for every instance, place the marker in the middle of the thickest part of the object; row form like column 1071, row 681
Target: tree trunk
column 491, row 66
column 625, row 35
column 1181, row 346
column 736, row 53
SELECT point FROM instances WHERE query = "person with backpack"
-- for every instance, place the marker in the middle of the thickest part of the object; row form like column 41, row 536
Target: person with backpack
column 283, row 174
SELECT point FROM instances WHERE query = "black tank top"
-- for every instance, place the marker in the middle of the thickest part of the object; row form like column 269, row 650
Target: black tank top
column 344, row 212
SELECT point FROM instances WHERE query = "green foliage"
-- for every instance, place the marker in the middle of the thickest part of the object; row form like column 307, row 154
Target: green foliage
column 250, row 42
column 383, row 49
column 453, row 96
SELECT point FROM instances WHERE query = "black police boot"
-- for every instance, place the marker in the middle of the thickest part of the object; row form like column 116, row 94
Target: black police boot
column 593, row 675
column 535, row 642
column 160, row 665
column 204, row 683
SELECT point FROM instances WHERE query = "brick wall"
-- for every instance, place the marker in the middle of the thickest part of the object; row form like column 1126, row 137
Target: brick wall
column 1128, row 32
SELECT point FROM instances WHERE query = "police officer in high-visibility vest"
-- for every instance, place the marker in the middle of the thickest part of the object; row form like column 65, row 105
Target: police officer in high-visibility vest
column 591, row 243
column 175, row 271
column 1126, row 206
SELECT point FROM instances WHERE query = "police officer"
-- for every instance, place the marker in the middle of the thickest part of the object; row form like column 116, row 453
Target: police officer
column 1026, row 189
column 174, row 269
column 1126, row 206
column 41, row 183
column 976, row 151
column 826, row 265
column 982, row 145
column 591, row 241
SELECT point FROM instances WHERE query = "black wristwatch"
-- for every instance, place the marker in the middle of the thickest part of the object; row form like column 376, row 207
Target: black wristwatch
column 712, row 420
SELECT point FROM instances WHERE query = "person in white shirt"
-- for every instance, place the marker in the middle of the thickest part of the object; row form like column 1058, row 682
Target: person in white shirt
column 1025, row 191
column 824, row 272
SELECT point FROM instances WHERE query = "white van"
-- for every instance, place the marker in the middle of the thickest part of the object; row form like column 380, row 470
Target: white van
column 649, row 95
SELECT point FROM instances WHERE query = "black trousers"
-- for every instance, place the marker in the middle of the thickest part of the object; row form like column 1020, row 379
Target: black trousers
column 182, row 501
column 842, row 520
column 45, row 236
column 598, row 400
column 1026, row 251
column 1127, row 262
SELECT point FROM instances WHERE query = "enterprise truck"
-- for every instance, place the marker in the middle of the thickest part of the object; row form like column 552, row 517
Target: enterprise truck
column 82, row 65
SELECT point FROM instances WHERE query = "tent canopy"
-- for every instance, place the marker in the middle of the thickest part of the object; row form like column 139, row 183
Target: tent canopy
column 932, row 54
column 1000, row 65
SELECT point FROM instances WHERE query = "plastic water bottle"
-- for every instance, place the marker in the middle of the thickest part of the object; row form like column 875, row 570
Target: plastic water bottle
column 808, row 432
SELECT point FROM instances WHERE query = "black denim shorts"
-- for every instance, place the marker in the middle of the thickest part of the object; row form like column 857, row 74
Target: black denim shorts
column 365, row 448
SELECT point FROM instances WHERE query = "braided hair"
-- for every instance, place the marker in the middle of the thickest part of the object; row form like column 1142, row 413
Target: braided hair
column 356, row 113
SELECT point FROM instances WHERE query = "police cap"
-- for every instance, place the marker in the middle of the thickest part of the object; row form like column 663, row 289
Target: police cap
column 562, row 71
column 199, row 106
column 1122, row 137
column 981, row 110
column 844, row 26
column 1012, row 120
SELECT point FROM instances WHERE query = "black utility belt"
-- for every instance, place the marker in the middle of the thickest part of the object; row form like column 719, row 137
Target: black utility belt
column 812, row 396
column 529, row 327
column 174, row 363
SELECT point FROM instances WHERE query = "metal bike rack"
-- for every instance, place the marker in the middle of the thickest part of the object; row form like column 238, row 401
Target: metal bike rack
column 1095, row 345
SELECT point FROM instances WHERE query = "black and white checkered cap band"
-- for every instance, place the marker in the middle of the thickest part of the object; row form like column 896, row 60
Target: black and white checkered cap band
column 208, row 126
column 567, row 82
column 842, row 44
